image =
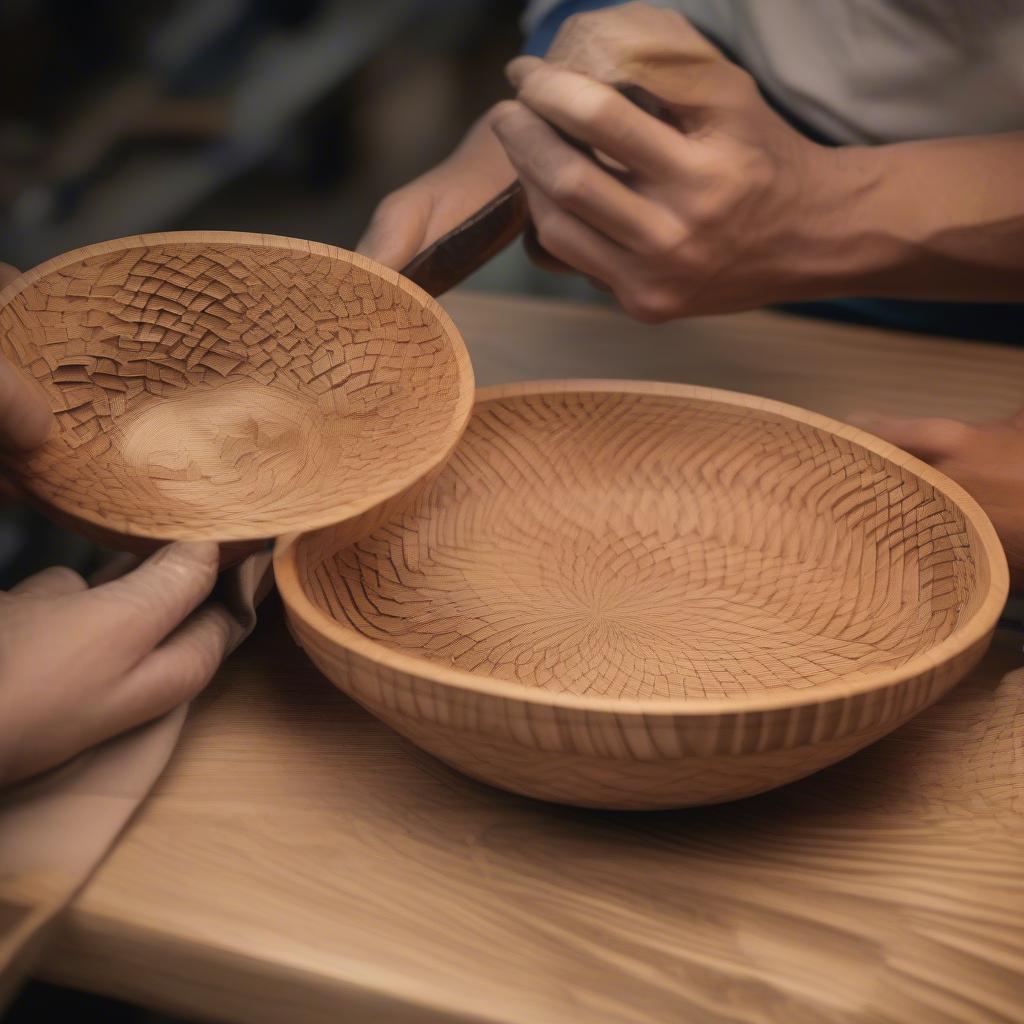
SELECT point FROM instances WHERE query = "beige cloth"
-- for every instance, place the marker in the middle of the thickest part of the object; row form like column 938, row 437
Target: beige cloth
column 56, row 829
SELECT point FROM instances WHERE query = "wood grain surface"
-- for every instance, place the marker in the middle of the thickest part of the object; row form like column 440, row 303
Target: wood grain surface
column 229, row 386
column 637, row 595
column 301, row 862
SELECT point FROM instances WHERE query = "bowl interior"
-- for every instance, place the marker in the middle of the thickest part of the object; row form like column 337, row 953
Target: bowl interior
column 230, row 388
column 611, row 544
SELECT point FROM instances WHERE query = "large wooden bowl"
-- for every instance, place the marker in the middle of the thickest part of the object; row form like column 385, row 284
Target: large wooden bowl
column 233, row 387
column 634, row 595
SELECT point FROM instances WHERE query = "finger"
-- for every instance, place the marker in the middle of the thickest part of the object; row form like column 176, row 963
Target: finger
column 174, row 672
column 133, row 613
column 396, row 231
column 25, row 417
column 53, row 582
column 601, row 117
column 8, row 274
column 568, row 240
column 114, row 567
column 928, row 438
column 580, row 186
column 539, row 256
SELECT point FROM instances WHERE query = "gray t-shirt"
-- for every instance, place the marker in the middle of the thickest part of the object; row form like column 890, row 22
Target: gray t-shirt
column 867, row 71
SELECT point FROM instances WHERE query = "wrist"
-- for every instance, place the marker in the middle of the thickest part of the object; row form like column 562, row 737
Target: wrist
column 852, row 238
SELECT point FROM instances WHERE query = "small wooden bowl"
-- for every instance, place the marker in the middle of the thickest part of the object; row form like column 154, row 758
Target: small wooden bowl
column 630, row 595
column 231, row 387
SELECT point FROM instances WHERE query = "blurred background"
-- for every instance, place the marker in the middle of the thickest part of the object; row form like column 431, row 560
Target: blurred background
column 285, row 116
column 290, row 117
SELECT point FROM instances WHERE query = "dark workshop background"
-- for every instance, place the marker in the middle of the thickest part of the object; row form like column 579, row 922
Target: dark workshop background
column 286, row 116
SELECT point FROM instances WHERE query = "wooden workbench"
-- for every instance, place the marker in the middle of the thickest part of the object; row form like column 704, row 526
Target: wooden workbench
column 299, row 862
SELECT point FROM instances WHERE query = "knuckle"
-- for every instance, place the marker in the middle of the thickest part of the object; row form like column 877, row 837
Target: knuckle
column 504, row 110
column 547, row 231
column 191, row 673
column 205, row 652
column 593, row 103
column 203, row 662
column 651, row 305
column 663, row 240
column 567, row 183
column 718, row 203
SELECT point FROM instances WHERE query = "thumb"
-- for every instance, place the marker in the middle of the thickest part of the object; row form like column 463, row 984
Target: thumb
column 396, row 231
column 929, row 438
column 25, row 417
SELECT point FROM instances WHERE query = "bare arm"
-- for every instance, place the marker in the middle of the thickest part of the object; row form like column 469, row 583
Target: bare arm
column 728, row 207
column 940, row 219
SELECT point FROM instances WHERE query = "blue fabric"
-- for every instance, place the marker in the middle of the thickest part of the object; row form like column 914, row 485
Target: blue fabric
column 985, row 321
column 973, row 321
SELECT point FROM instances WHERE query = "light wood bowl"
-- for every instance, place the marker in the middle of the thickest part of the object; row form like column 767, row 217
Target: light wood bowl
column 233, row 387
column 631, row 595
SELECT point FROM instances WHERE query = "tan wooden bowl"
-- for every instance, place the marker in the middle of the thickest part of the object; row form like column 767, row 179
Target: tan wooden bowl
column 632, row 595
column 233, row 387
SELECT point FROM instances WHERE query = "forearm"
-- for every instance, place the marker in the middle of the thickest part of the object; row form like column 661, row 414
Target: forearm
column 939, row 219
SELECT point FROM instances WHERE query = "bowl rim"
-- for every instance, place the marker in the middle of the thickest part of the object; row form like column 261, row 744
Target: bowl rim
column 975, row 629
column 464, row 370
